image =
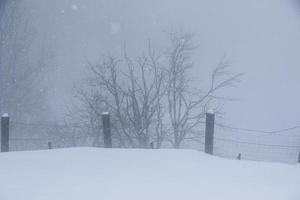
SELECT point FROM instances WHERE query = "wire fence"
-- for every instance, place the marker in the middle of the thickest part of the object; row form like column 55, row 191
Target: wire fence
column 230, row 142
column 260, row 145
column 38, row 136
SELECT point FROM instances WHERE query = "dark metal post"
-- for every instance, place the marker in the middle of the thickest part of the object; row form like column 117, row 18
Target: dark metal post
column 5, row 133
column 209, row 133
column 106, row 130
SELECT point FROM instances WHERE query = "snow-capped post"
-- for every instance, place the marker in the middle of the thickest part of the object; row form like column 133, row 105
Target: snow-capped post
column 106, row 130
column 209, row 132
column 5, row 133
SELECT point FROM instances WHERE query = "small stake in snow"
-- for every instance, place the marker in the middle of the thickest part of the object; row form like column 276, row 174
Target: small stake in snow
column 239, row 157
column 209, row 132
column 49, row 145
column 152, row 145
column 106, row 130
column 5, row 133
column 299, row 157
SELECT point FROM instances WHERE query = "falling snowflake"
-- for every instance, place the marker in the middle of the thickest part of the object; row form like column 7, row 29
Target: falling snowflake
column 74, row 7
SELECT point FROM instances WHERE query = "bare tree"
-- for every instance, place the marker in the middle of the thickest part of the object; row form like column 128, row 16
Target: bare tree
column 108, row 90
column 131, row 90
column 160, row 75
column 150, row 98
column 187, row 108
column 143, row 99
column 85, row 117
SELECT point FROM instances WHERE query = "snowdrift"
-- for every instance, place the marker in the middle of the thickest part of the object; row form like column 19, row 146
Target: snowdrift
column 115, row 174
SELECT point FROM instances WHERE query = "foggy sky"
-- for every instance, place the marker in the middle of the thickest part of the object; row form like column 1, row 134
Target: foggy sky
column 260, row 37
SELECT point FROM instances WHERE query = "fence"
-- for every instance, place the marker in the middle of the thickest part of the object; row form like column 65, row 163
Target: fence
column 249, row 144
column 20, row 136
column 219, row 140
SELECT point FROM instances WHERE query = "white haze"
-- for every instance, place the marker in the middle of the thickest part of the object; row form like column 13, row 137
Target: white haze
column 260, row 37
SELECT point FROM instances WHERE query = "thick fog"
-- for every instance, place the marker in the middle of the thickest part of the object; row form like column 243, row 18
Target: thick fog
column 159, row 99
column 57, row 72
column 260, row 38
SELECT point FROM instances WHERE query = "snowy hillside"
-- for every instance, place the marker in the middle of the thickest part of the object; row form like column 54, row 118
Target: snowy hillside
column 87, row 173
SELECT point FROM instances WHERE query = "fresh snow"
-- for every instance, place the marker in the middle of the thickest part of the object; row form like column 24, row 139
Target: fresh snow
column 127, row 174
column 211, row 111
column 5, row 115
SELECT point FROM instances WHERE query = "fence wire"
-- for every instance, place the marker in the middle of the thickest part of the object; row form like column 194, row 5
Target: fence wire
column 37, row 136
column 276, row 146
column 260, row 145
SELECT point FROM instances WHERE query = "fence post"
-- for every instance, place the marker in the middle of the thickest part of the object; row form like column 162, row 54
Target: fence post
column 299, row 157
column 209, row 132
column 106, row 130
column 49, row 145
column 152, row 145
column 239, row 157
column 5, row 133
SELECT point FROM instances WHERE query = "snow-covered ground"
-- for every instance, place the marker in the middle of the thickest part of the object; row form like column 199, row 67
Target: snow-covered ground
column 118, row 174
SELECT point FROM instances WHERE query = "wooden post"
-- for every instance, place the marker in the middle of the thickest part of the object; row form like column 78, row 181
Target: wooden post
column 239, row 157
column 49, row 145
column 209, row 132
column 5, row 133
column 106, row 130
column 299, row 157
